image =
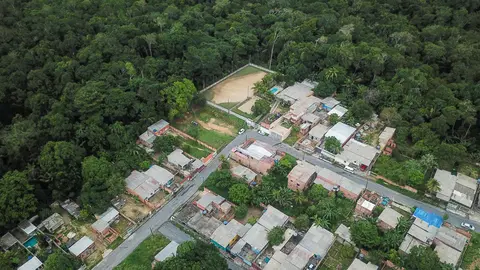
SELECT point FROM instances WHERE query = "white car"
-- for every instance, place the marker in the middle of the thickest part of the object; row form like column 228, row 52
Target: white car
column 468, row 226
column 241, row 131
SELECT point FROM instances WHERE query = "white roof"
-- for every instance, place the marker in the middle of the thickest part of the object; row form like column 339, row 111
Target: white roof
column 100, row 225
column 256, row 237
column 318, row 131
column 33, row 264
column 272, row 217
column 337, row 179
column 330, row 102
column 27, row 227
column 368, row 205
column 318, row 241
column 225, row 233
column 447, row 183
column 422, row 231
column 178, row 158
column 144, row 185
column 344, row 233
column 158, row 126
column 390, row 217
column 147, row 137
column 359, row 265
column 386, row 135
column 159, row 174
column 304, row 105
column 168, row 251
column 80, row 246
column 341, row 131
column 358, row 153
column 464, row 190
column 109, row 215
column 338, row 110
column 296, row 92
column 237, row 248
column 256, row 151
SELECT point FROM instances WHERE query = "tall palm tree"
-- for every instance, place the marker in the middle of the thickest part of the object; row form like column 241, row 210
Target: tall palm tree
column 433, row 186
column 317, row 220
column 299, row 198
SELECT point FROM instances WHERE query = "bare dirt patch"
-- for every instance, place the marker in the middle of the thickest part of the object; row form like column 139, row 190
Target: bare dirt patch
column 474, row 265
column 133, row 209
column 211, row 125
column 247, row 106
column 236, row 89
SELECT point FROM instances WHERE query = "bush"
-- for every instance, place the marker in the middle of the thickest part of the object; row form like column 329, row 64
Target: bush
column 302, row 222
column 241, row 211
column 377, row 211
column 252, row 220
column 275, row 236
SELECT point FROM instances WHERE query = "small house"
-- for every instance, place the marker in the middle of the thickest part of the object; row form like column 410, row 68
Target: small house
column 159, row 127
column 168, row 251
column 301, row 176
column 317, row 132
column 71, row 207
column 82, row 248
column 329, row 103
column 342, row 132
column 32, row 264
column 388, row 219
column 53, row 222
column 179, row 160
column 338, row 110
column 7, row 241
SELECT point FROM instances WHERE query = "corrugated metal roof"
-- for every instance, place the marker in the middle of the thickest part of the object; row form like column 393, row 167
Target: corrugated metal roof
column 80, row 246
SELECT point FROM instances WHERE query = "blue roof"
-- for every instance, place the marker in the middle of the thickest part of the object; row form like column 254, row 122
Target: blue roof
column 430, row 218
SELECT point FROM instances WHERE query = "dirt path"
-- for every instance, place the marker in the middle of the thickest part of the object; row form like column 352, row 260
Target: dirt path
column 247, row 106
column 236, row 89
column 212, row 126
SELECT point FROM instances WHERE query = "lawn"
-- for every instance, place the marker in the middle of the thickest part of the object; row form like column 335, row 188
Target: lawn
column 194, row 148
column 228, row 105
column 339, row 257
column 292, row 138
column 471, row 258
column 142, row 257
column 246, row 71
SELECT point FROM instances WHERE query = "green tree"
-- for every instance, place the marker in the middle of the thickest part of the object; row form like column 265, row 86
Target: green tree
column 17, row 201
column 317, row 193
column 11, row 259
column 333, row 119
column 261, row 107
column 361, row 111
column 194, row 255
column 166, row 143
column 333, row 145
column 59, row 261
column 178, row 97
column 302, row 222
column 325, row 89
column 276, row 236
column 365, row 234
column 241, row 211
column 423, row 258
column 433, row 186
column 60, row 165
column 240, row 193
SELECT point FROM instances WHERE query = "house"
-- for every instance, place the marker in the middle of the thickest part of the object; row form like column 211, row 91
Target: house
column 329, row 103
column 7, row 241
column 301, row 107
column 52, row 223
column 144, row 186
column 344, row 236
column 160, row 175
column 357, row 155
column 423, row 230
column 256, row 237
column 256, row 155
column 179, row 160
column 458, row 188
column 71, row 207
column 277, row 131
column 338, row 110
column 388, row 219
column 27, row 228
column 341, row 132
column 317, row 132
column 296, row 92
column 168, row 251
column 311, row 118
column 301, row 176
column 385, row 140
column 245, row 173
column 449, row 245
column 82, row 248
column 32, row 264
column 146, row 139
column 102, row 225
column 226, row 235
column 159, row 127
column 304, row 128
column 367, row 203
column 272, row 217
column 360, row 265
column 329, row 179
column 209, row 200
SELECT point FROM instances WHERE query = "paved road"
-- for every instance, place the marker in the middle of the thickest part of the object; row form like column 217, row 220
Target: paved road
column 163, row 215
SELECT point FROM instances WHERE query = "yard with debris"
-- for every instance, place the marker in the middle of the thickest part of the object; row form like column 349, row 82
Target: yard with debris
column 338, row 257
column 142, row 257
column 134, row 209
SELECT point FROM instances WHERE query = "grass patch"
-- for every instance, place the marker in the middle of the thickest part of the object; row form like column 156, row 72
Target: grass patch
column 338, row 255
column 195, row 149
column 245, row 71
column 472, row 254
column 115, row 243
column 244, row 114
column 228, row 105
column 292, row 138
column 143, row 255
column 206, row 113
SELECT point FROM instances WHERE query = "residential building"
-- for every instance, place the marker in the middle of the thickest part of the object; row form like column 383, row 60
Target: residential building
column 225, row 236
column 317, row 132
column 179, row 160
column 344, row 236
column 278, row 131
column 357, row 155
column 245, row 173
column 32, row 264
column 360, row 265
column 27, row 228
column 388, row 219
column 296, row 92
column 329, row 103
column 311, row 118
column 449, row 245
column 161, row 175
column 423, row 230
column 168, row 251
column 145, row 186
column 256, row 155
column 102, row 225
column 458, row 188
column 330, row 179
column 256, row 237
column 367, row 203
column 342, row 132
column 52, row 223
column 385, row 140
column 146, row 139
column 301, row 176
column 7, row 241
column 338, row 110
column 71, row 207
column 82, row 248
column 208, row 200
column 272, row 217
column 159, row 127
column 301, row 107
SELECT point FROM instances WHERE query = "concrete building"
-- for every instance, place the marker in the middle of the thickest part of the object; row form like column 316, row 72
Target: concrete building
column 245, row 173
column 329, row 103
column 142, row 186
column 7, row 241
column 168, row 251
column 256, row 237
column 159, row 127
column 360, row 265
column 301, row 176
column 160, row 175
column 338, row 110
column 32, row 264
column 52, row 223
column 423, row 230
column 102, row 225
column 357, row 155
column 272, row 217
column 179, row 160
column 225, row 236
column 342, row 132
column 458, row 188
column 256, row 155
column 385, row 137
column 146, row 139
column 330, row 179
column 449, row 245
column 82, row 248
column 301, row 107
column 311, row 118
column 27, row 228
column 317, row 132
column 71, row 207
column 367, row 203
column 296, row 92
column 344, row 236
column 388, row 219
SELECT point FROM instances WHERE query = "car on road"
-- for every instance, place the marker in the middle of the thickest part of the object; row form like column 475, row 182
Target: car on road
column 241, row 131
column 468, row 226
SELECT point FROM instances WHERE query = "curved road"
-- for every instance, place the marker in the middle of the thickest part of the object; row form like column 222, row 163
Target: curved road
column 163, row 215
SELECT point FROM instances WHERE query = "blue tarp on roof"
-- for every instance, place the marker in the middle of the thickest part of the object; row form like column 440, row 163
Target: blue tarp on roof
column 430, row 218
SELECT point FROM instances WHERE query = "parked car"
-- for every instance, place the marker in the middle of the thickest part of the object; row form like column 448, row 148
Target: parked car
column 241, row 131
column 468, row 226
column 349, row 169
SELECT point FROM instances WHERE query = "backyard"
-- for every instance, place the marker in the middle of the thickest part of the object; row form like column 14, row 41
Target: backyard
column 143, row 255
column 194, row 148
column 293, row 137
column 339, row 257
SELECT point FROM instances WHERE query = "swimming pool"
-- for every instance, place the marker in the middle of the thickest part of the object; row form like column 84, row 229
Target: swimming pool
column 31, row 242
column 273, row 90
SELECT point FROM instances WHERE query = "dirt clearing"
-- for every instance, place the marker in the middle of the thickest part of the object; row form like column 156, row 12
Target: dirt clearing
column 236, row 89
column 133, row 209
column 247, row 106
column 211, row 125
